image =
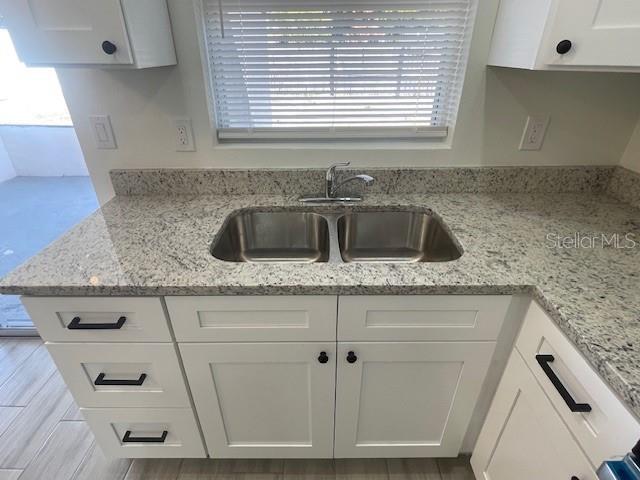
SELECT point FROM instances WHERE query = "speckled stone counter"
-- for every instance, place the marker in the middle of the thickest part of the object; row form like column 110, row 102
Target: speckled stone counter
column 159, row 245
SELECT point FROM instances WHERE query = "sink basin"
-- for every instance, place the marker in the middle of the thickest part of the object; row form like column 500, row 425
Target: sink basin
column 254, row 236
column 395, row 236
column 302, row 236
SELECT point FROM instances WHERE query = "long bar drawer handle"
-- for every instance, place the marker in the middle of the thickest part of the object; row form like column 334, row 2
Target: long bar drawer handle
column 135, row 383
column 129, row 439
column 76, row 325
column 544, row 361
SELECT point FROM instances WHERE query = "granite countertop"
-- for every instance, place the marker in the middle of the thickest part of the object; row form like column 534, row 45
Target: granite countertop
column 159, row 245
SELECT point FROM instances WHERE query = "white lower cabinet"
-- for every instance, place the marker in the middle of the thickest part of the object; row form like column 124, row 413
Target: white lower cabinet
column 327, row 376
column 407, row 399
column 606, row 429
column 552, row 415
column 277, row 395
column 264, row 400
column 524, row 437
column 275, row 377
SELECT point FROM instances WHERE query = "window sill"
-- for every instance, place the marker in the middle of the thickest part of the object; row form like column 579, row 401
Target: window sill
column 407, row 145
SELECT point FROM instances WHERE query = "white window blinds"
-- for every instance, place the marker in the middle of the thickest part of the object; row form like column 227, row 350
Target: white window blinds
column 304, row 69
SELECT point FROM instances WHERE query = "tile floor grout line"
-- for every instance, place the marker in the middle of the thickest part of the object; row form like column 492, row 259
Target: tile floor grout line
column 34, row 393
column 17, row 367
column 86, row 454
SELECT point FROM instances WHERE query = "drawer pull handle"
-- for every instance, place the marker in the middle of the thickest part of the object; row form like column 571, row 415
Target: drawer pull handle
column 129, row 439
column 323, row 358
column 351, row 357
column 135, row 383
column 76, row 325
column 544, row 361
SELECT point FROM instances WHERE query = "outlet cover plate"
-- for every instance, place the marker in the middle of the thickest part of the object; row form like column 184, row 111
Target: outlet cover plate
column 534, row 132
column 184, row 134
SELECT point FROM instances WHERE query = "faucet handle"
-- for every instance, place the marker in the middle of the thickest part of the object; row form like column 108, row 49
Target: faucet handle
column 330, row 177
column 331, row 171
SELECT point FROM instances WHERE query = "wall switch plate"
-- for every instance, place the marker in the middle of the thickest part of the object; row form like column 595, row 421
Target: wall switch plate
column 534, row 132
column 184, row 134
column 103, row 132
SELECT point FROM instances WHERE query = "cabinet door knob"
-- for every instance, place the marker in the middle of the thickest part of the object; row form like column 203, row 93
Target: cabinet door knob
column 351, row 357
column 574, row 478
column 563, row 47
column 108, row 47
column 323, row 358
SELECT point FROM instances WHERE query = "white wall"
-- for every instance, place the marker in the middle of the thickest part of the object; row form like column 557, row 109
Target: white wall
column 6, row 167
column 593, row 116
column 631, row 157
column 43, row 151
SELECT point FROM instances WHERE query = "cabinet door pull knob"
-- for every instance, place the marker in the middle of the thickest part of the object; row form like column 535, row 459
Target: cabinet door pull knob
column 135, row 383
column 574, row 478
column 109, row 47
column 323, row 358
column 544, row 361
column 129, row 439
column 76, row 325
column 351, row 357
column 563, row 47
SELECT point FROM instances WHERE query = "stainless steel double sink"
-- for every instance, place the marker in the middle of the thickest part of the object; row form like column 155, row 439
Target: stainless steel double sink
column 304, row 236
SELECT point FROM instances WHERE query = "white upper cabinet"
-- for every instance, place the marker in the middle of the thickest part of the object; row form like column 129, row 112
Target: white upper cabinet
column 567, row 35
column 123, row 33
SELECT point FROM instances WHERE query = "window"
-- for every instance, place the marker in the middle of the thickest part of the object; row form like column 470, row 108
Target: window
column 28, row 95
column 305, row 69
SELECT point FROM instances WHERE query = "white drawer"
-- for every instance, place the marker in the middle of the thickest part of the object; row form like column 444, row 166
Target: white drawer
column 146, row 427
column 608, row 429
column 97, row 374
column 253, row 318
column 421, row 317
column 121, row 319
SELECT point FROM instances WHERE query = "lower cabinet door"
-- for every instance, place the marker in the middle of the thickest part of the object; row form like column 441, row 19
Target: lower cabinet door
column 264, row 400
column 524, row 437
column 408, row 399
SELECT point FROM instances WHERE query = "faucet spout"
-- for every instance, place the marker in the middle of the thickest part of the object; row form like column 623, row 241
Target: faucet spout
column 368, row 180
column 332, row 186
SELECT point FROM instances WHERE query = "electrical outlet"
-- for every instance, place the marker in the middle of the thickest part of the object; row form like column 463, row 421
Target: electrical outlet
column 184, row 134
column 103, row 132
column 534, row 132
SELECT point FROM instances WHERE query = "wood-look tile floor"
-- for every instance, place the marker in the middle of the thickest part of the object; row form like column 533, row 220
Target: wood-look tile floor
column 43, row 437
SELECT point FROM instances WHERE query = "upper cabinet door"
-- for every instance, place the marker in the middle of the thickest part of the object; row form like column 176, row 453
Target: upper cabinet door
column 68, row 31
column 407, row 399
column 603, row 33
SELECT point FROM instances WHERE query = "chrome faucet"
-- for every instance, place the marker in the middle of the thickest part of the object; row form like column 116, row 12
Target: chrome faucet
column 332, row 186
